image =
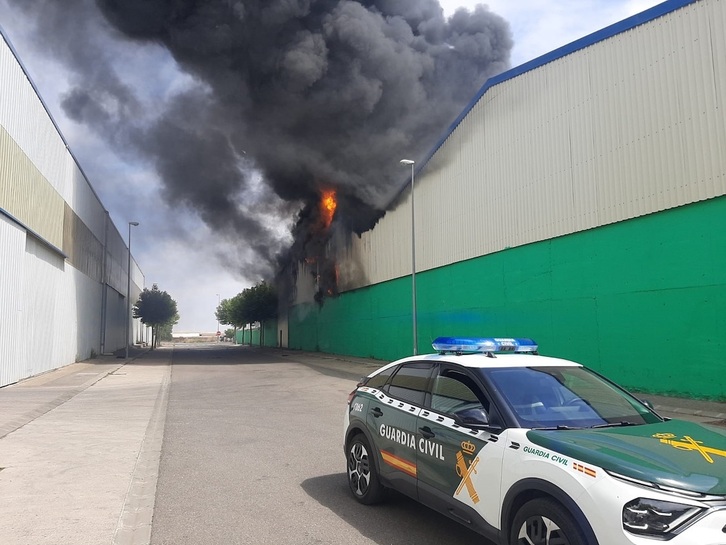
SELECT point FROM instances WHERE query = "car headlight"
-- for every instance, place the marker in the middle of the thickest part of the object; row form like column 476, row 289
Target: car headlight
column 656, row 518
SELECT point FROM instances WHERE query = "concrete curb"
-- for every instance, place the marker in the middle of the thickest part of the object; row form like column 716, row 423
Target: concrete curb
column 692, row 412
column 134, row 525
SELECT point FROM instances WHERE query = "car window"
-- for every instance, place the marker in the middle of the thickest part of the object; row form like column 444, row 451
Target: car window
column 410, row 382
column 565, row 396
column 453, row 391
column 380, row 379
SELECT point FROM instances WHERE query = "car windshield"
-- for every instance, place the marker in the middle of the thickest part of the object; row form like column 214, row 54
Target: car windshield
column 566, row 397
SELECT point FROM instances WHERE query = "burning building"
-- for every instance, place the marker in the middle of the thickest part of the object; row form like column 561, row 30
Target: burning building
column 564, row 204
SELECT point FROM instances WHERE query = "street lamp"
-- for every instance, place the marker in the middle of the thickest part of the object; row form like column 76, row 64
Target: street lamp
column 128, row 289
column 217, row 333
column 413, row 256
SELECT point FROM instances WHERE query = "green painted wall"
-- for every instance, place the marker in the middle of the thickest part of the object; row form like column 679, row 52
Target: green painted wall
column 243, row 336
column 642, row 301
column 270, row 337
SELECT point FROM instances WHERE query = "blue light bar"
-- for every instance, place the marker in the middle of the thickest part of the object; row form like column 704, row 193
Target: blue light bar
column 484, row 344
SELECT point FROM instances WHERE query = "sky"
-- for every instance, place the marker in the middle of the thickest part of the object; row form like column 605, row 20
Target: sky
column 183, row 244
column 540, row 26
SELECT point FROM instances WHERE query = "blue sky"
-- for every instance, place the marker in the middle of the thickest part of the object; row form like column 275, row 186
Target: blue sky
column 539, row 26
column 174, row 248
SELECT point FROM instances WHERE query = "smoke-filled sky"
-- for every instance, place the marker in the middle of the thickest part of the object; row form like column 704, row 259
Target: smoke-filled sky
column 213, row 123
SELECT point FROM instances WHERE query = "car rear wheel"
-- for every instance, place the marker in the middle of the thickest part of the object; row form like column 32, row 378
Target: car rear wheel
column 544, row 522
column 362, row 475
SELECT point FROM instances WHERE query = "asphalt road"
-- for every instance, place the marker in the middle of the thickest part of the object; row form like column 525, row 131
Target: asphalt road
column 252, row 454
column 224, row 445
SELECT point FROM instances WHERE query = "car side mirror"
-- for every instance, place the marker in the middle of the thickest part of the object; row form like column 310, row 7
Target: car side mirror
column 652, row 409
column 474, row 418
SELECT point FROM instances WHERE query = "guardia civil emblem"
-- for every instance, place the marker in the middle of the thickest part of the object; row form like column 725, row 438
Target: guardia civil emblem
column 465, row 468
column 690, row 444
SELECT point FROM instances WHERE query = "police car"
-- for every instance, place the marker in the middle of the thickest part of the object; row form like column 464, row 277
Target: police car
column 533, row 450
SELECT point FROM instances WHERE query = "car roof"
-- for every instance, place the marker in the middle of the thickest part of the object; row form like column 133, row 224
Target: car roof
column 484, row 361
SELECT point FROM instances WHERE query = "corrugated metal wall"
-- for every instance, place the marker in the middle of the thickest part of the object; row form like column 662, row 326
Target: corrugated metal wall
column 84, row 201
column 49, row 325
column 628, row 126
column 12, row 248
column 61, row 259
column 23, row 116
column 26, row 194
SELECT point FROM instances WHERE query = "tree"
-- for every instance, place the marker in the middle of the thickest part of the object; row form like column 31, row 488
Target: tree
column 165, row 331
column 255, row 304
column 157, row 309
column 224, row 312
column 262, row 305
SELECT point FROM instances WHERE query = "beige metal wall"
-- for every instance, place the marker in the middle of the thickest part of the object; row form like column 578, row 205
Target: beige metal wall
column 626, row 127
column 26, row 194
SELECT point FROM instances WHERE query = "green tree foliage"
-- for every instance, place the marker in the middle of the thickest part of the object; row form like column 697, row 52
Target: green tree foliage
column 224, row 312
column 157, row 309
column 166, row 330
column 260, row 302
column 255, row 304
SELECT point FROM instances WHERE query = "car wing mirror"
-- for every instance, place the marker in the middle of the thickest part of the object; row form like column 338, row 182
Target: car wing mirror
column 474, row 418
column 650, row 406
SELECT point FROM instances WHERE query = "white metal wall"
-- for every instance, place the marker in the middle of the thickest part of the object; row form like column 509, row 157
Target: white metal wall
column 12, row 250
column 61, row 310
column 628, row 126
column 84, row 201
column 50, row 312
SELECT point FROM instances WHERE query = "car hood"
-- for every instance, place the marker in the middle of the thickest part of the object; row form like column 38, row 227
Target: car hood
column 675, row 453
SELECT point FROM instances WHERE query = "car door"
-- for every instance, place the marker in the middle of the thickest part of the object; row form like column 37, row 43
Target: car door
column 459, row 468
column 391, row 420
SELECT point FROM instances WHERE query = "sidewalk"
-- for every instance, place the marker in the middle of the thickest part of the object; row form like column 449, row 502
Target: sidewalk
column 79, row 452
column 695, row 410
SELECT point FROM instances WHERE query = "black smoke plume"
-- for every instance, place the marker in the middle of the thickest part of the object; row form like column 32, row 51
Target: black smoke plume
column 300, row 94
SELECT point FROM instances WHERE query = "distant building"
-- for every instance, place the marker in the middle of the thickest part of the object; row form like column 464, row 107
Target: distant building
column 63, row 263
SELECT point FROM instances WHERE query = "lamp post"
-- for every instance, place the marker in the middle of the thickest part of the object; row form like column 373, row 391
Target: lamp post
column 413, row 256
column 217, row 333
column 128, row 289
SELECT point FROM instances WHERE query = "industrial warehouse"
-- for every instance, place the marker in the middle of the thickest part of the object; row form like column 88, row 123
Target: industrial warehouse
column 578, row 200
column 64, row 266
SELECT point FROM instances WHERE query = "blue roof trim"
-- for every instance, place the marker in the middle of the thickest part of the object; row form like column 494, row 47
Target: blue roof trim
column 609, row 31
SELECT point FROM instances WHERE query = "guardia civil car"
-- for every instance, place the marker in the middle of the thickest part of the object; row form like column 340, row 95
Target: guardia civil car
column 533, row 450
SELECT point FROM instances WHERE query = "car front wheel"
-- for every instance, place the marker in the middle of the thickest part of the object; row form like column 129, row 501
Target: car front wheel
column 362, row 475
column 544, row 522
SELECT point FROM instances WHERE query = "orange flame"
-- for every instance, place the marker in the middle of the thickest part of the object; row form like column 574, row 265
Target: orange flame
column 328, row 204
